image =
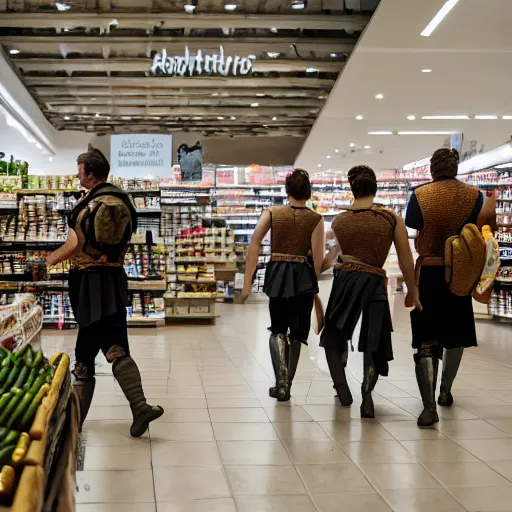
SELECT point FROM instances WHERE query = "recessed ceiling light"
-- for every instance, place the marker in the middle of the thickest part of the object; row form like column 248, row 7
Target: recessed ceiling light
column 439, row 17
column 61, row 6
column 426, row 70
column 274, row 118
column 426, row 133
column 506, row 118
column 411, row 117
column 255, row 105
column 311, row 70
column 379, row 96
column 328, row 156
column 67, row 118
column 298, row 4
column 336, row 150
column 14, row 51
column 319, row 165
column 381, row 133
column 367, row 147
column 359, row 117
column 489, row 117
column 273, row 55
column 230, row 5
column 446, row 118
column 220, row 118
column 352, row 145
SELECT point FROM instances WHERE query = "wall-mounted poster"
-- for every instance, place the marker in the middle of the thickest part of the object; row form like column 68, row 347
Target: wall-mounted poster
column 190, row 159
column 141, row 155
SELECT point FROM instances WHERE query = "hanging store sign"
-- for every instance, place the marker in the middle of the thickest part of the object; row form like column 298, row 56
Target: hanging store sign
column 200, row 63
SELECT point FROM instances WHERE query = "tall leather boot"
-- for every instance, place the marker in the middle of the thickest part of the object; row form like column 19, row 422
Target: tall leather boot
column 279, row 352
column 293, row 360
column 426, row 375
column 451, row 363
column 84, row 389
column 127, row 374
column 337, row 363
column 370, row 378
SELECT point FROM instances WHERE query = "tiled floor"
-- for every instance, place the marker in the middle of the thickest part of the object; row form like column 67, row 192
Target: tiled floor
column 224, row 445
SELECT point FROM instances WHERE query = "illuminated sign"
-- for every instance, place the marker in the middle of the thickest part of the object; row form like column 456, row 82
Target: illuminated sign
column 199, row 63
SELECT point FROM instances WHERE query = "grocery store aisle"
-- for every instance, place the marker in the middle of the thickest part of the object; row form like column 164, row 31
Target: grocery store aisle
column 224, row 445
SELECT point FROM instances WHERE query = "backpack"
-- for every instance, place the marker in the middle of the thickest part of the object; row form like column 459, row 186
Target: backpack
column 492, row 265
column 465, row 258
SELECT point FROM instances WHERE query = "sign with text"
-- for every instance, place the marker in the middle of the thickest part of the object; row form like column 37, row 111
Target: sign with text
column 141, row 155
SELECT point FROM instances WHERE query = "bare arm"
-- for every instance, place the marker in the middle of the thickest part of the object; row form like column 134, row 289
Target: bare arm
column 254, row 250
column 318, row 247
column 487, row 216
column 406, row 262
column 65, row 251
column 330, row 257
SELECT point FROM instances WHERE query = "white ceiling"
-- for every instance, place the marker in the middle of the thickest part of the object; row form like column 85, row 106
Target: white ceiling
column 470, row 54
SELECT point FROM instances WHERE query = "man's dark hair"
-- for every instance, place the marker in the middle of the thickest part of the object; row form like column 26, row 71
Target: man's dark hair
column 96, row 164
column 81, row 158
column 298, row 186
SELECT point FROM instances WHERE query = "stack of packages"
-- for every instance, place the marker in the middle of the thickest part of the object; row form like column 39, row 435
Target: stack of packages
column 38, row 423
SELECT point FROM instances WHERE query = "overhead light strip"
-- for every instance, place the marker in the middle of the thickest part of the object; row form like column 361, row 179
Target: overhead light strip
column 426, row 133
column 439, row 17
column 445, row 118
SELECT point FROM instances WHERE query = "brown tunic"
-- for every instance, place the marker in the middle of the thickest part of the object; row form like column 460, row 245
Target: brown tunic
column 365, row 235
column 292, row 228
column 445, row 206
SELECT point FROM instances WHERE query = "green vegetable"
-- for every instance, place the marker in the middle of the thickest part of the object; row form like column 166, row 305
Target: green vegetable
column 22, row 377
column 13, row 402
column 4, row 373
column 28, row 417
column 38, row 383
column 20, row 409
column 6, row 454
column 30, row 381
column 12, row 438
column 3, row 433
column 3, row 352
column 37, row 360
column 12, row 376
column 4, row 400
column 29, row 356
column 7, row 361
column 21, row 353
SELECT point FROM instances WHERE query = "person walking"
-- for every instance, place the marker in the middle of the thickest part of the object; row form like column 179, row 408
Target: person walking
column 100, row 228
column 439, row 210
column 364, row 234
column 291, row 279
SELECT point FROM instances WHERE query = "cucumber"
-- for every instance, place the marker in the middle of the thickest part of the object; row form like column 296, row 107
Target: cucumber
column 7, row 360
column 6, row 454
column 13, row 375
column 21, row 407
column 31, row 378
column 28, row 417
column 22, row 377
column 41, row 379
column 13, row 402
column 12, row 438
column 29, row 356
column 38, row 359
column 3, row 433
column 4, row 373
column 18, row 356
column 3, row 352
column 4, row 400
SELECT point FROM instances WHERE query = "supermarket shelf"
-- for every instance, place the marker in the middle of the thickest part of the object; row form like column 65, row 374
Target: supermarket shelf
column 146, row 322
column 44, row 191
column 148, row 211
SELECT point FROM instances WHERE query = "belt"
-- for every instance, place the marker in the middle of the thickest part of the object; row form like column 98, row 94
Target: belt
column 288, row 257
column 351, row 264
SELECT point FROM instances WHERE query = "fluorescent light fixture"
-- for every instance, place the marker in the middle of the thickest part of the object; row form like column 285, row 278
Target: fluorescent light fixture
column 426, row 70
column 486, row 117
column 446, row 118
column 439, row 17
column 273, row 55
column 298, row 4
column 67, row 118
column 273, row 30
column 61, row 6
column 254, row 105
column 381, row 133
column 260, row 94
column 311, row 70
column 352, row 145
column 274, row 118
column 190, row 6
column 367, row 147
column 233, row 118
column 506, row 118
column 359, row 117
column 411, row 117
column 14, row 51
column 379, row 96
column 334, row 55
column 426, row 133
column 220, row 118
column 230, row 5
